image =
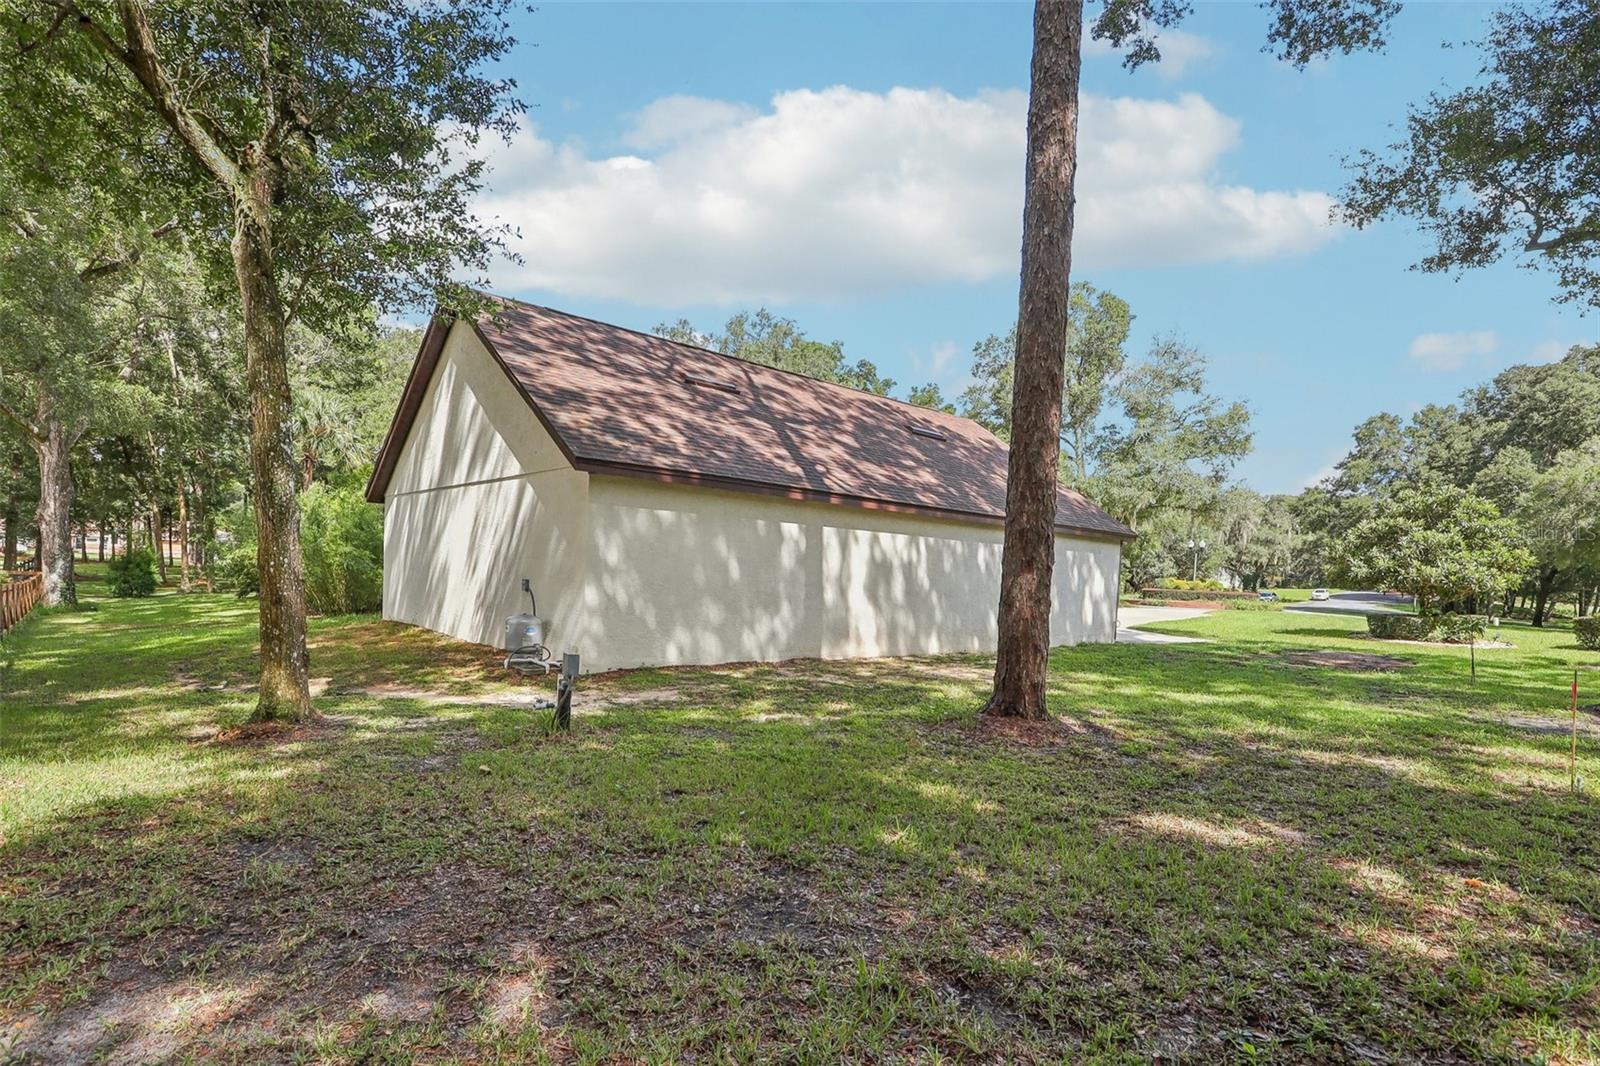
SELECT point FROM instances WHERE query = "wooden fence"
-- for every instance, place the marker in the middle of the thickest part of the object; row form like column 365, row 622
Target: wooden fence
column 17, row 598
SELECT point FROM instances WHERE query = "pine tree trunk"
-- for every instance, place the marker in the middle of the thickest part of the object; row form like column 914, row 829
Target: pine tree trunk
column 54, row 516
column 284, row 694
column 1022, row 656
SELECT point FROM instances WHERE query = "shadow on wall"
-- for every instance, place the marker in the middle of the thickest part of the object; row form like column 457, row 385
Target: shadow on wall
column 687, row 576
column 685, row 583
column 455, row 557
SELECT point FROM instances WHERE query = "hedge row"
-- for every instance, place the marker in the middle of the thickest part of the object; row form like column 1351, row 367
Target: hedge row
column 1447, row 628
column 1209, row 595
column 1588, row 631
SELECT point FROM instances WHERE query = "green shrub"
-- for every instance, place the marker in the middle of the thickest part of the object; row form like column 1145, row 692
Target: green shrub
column 133, row 573
column 1398, row 626
column 1447, row 628
column 1588, row 631
column 341, row 543
column 1208, row 595
column 1185, row 583
column 341, row 535
column 236, row 569
column 1458, row 628
column 1253, row 605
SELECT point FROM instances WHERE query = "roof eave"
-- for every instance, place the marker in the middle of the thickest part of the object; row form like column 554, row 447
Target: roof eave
column 416, row 387
column 617, row 468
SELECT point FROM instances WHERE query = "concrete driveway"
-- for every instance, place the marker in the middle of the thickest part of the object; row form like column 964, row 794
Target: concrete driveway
column 1355, row 603
column 1129, row 617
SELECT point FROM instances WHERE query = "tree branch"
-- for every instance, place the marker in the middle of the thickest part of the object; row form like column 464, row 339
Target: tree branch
column 49, row 34
column 105, row 267
column 1538, row 243
column 27, row 426
column 142, row 58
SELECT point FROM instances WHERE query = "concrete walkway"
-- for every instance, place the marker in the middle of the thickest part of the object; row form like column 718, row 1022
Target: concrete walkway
column 1129, row 617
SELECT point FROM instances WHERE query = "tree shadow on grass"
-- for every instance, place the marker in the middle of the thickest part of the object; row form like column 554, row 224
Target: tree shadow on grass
column 1321, row 865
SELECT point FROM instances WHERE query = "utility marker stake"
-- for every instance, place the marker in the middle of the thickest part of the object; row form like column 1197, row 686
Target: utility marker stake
column 564, row 683
column 1572, row 755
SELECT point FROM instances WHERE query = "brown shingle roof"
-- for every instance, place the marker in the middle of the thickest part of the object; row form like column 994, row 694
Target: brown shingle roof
column 623, row 402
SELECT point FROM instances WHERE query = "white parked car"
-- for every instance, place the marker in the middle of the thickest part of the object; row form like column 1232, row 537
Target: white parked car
column 1319, row 594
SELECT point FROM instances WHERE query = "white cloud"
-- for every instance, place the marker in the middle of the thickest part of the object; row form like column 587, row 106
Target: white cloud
column 1326, row 471
column 676, row 118
column 1179, row 51
column 945, row 364
column 1548, row 351
column 1452, row 351
column 943, row 357
column 836, row 193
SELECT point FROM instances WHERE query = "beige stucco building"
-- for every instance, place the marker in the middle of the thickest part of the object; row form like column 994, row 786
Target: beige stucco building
column 670, row 505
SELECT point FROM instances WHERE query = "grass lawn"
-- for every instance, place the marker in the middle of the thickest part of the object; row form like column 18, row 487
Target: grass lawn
column 1262, row 847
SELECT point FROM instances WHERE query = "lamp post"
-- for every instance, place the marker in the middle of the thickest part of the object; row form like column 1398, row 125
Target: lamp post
column 1196, row 546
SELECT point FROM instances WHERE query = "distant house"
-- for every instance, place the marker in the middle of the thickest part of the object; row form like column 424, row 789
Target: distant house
column 673, row 505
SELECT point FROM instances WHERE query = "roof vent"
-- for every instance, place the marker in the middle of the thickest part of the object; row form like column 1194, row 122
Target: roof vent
column 709, row 382
column 927, row 431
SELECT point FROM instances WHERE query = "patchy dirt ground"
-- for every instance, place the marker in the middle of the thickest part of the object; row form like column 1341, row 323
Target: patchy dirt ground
column 1211, row 854
column 1357, row 661
column 452, row 957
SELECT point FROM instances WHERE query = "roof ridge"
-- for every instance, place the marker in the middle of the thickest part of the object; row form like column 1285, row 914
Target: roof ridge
column 747, row 362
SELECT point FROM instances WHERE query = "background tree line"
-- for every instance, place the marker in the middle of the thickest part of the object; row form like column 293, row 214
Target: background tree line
column 124, row 412
column 1526, row 442
column 315, row 160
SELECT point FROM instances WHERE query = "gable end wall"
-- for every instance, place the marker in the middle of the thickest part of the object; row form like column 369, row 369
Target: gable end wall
column 480, row 498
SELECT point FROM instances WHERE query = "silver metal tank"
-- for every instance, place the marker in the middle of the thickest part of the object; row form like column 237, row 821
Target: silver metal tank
column 522, row 630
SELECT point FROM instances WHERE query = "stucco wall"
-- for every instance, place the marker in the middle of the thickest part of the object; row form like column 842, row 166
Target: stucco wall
column 472, row 510
column 632, row 572
column 686, row 575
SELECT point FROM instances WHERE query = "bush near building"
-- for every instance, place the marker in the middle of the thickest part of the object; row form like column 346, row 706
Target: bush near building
column 1445, row 628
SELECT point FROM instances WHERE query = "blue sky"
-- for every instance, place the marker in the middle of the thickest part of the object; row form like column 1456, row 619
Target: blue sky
column 859, row 169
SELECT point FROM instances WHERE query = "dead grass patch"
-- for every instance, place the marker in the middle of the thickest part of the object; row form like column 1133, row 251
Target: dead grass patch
column 1353, row 661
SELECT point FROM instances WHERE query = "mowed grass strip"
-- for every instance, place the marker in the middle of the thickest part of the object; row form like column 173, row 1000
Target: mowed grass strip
column 1224, row 851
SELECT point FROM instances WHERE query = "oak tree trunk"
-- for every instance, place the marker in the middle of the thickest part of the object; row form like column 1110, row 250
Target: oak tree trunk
column 200, row 521
column 285, row 667
column 1547, row 579
column 8, row 553
column 1022, row 656
column 183, row 534
column 54, row 516
column 155, row 542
